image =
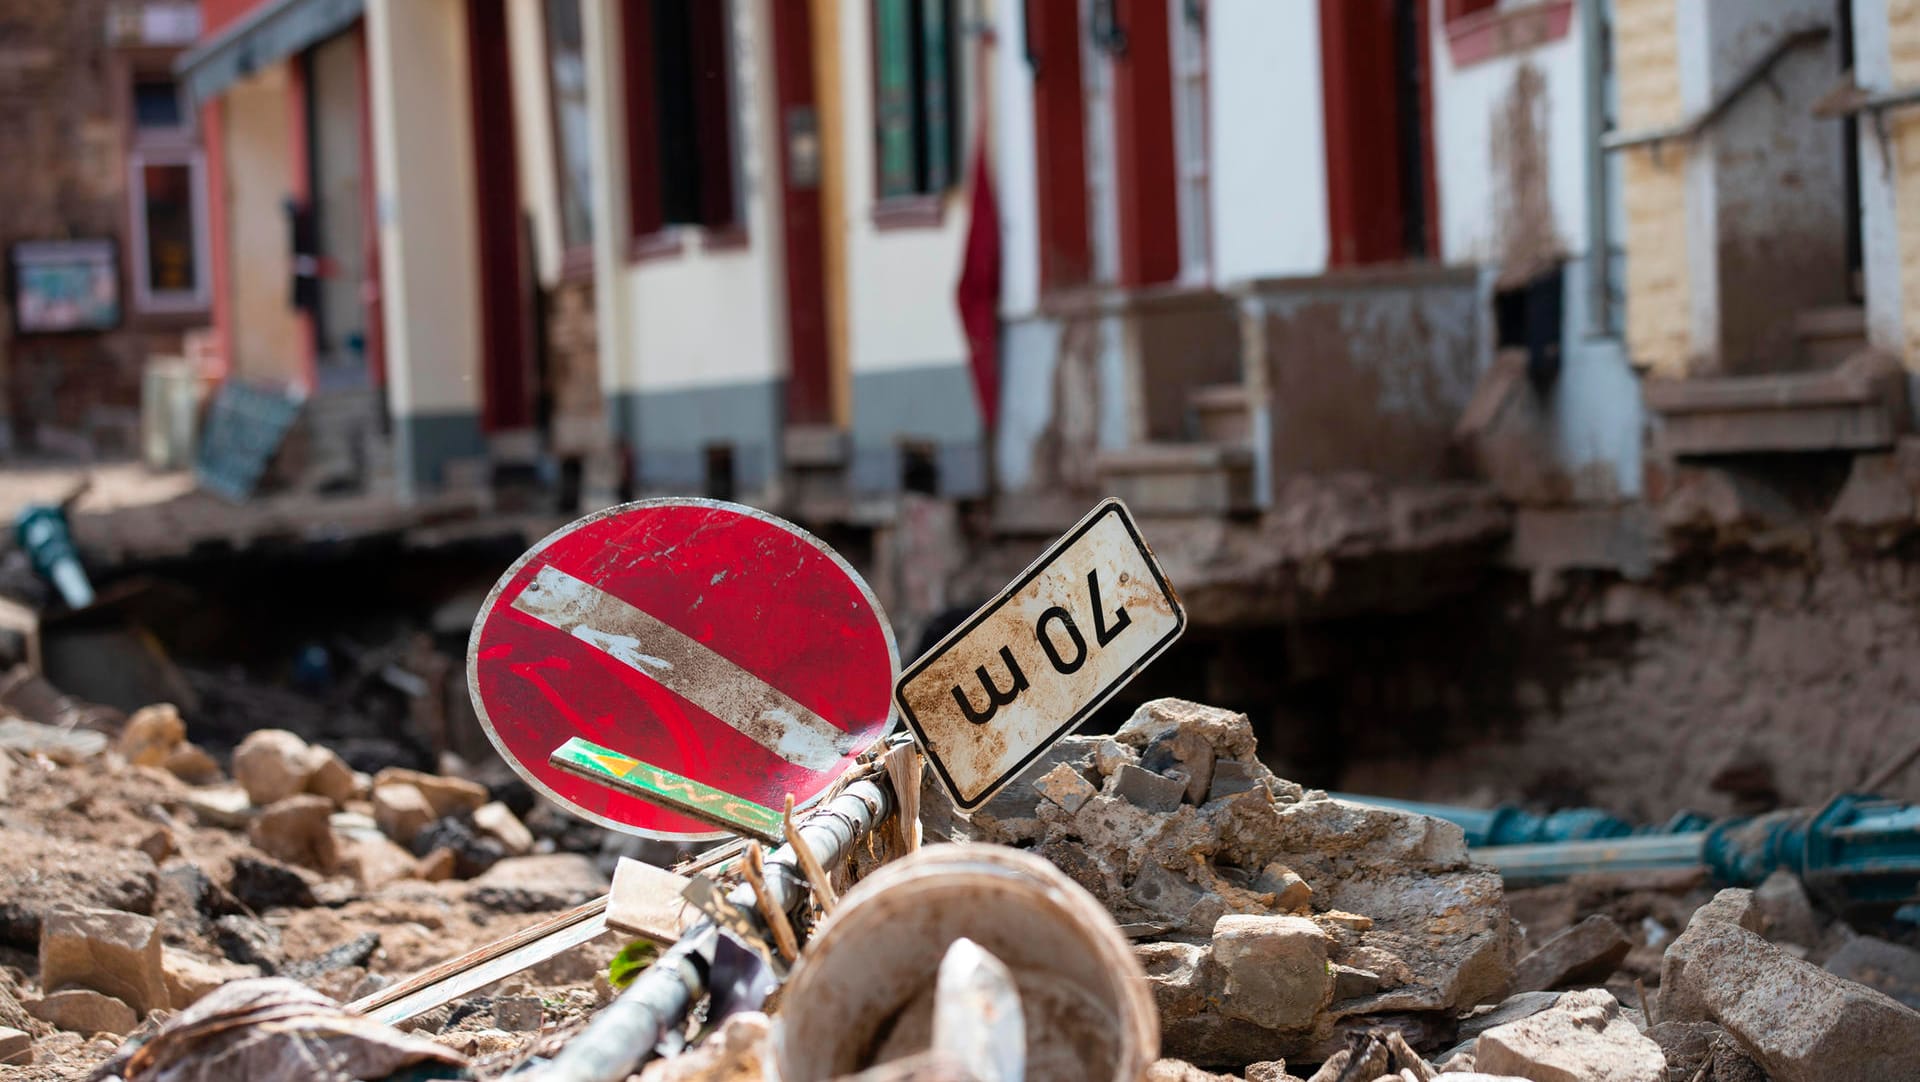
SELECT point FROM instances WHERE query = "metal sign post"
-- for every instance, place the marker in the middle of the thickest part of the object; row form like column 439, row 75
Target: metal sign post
column 1036, row 661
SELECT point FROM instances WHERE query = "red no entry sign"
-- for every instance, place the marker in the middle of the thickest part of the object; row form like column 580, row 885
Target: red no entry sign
column 708, row 640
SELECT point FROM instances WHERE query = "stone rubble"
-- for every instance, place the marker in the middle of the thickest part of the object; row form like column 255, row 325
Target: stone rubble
column 1286, row 936
column 1379, row 913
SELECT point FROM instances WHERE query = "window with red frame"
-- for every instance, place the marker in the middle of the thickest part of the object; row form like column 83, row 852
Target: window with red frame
column 680, row 157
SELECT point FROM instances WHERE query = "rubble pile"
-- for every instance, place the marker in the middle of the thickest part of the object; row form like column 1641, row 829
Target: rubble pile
column 1273, row 921
column 155, row 912
column 137, row 878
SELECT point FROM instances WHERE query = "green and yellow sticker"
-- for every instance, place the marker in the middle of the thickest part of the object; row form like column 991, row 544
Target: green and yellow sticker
column 588, row 760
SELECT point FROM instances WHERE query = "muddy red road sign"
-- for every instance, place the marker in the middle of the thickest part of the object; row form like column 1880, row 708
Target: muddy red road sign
column 1039, row 659
column 709, row 640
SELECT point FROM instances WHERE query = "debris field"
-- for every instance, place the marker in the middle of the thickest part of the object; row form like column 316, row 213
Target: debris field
column 150, row 895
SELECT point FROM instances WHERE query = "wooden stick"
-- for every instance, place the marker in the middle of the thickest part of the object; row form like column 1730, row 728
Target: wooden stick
column 1646, row 1012
column 755, row 873
column 823, row 891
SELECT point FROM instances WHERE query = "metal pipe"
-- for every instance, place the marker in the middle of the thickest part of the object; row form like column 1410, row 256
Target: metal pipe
column 1549, row 861
column 623, row 1036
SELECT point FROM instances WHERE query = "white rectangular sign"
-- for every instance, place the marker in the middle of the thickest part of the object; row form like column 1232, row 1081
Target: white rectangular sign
column 1038, row 660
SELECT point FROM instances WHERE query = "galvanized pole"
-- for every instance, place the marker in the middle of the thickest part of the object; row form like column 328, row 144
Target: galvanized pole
column 622, row 1038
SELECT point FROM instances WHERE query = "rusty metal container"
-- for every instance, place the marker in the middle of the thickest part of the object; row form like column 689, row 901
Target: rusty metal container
column 862, row 993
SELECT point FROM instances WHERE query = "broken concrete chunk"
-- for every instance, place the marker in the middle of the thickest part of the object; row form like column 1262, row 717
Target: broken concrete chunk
column 158, row 844
column 226, row 806
column 1687, row 1046
column 16, row 1048
column 506, row 828
column 1179, row 1070
column 1351, row 983
column 1291, row 893
column 1276, row 969
column 1586, row 953
column 1878, row 964
column 1582, row 1038
column 447, row 796
column 192, row 764
column 1799, row 1022
column 1110, row 755
column 1146, row 790
column 1232, row 776
column 1352, row 922
column 1066, row 787
column 151, row 734
column 1511, row 1009
column 1731, row 906
column 1174, row 900
column 401, row 810
column 85, row 1011
column 437, row 866
column 105, row 950
column 1229, row 733
column 329, row 776
column 189, row 978
column 375, row 860
column 298, row 830
column 271, row 765
column 1176, row 974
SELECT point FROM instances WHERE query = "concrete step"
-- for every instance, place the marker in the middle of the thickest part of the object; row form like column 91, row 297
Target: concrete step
column 1830, row 335
column 1860, row 405
column 1179, row 478
column 1222, row 413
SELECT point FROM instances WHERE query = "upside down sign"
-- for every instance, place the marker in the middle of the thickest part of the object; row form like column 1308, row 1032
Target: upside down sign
column 1036, row 661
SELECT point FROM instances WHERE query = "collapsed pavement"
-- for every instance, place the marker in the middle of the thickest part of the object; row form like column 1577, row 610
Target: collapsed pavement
column 1278, row 928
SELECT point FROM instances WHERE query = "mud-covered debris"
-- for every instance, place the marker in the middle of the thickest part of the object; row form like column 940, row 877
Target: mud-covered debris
column 310, row 1039
column 1586, row 953
column 1585, row 1037
column 108, row 951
